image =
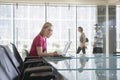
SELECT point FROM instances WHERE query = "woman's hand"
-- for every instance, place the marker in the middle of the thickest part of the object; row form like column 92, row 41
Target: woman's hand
column 54, row 53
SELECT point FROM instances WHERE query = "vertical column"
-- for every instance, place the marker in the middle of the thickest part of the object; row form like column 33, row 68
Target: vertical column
column 112, row 40
column 14, row 24
column 107, row 42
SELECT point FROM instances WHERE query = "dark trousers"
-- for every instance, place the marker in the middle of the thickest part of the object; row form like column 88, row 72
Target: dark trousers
column 79, row 49
column 97, row 50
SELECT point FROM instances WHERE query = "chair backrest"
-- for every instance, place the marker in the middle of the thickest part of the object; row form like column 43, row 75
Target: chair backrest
column 16, row 54
column 12, row 58
column 3, row 69
column 8, row 71
column 3, row 74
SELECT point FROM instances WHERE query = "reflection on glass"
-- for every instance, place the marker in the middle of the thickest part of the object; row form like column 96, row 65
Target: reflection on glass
column 83, row 60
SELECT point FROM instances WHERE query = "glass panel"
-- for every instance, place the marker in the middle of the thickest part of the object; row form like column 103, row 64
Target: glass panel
column 112, row 29
column 6, row 11
column 101, row 24
column 21, row 12
column 36, row 12
column 63, row 19
column 87, row 22
column 28, row 21
column 118, row 28
column 118, row 38
column 6, row 24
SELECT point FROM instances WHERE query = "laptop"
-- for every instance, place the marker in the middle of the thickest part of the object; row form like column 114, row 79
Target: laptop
column 67, row 46
column 62, row 55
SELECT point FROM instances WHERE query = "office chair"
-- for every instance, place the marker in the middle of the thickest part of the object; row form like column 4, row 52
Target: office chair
column 28, row 71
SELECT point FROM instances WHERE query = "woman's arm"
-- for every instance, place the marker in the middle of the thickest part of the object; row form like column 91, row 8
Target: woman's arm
column 83, row 40
column 45, row 54
column 84, row 37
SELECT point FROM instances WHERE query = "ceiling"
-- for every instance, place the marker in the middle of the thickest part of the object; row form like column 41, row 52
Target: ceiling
column 64, row 1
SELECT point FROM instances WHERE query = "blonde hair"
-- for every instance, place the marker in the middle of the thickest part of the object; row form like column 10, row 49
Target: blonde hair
column 46, row 25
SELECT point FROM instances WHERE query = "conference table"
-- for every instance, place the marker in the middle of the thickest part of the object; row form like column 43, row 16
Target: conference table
column 87, row 67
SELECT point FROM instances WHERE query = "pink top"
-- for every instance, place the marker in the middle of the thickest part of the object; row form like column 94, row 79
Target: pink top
column 39, row 41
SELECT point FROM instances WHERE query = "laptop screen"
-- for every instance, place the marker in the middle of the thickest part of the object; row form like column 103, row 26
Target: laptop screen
column 67, row 45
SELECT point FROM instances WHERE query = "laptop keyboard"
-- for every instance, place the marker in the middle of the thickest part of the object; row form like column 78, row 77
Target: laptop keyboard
column 62, row 57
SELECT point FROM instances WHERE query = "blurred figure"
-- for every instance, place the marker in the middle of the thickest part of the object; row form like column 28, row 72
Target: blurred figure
column 98, row 52
column 82, row 45
column 98, row 40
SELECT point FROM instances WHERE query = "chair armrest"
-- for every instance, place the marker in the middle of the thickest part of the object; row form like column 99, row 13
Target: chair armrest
column 38, row 69
column 33, row 61
column 37, row 72
column 32, row 57
column 42, row 76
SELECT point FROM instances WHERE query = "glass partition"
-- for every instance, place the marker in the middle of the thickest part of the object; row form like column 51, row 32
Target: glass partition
column 28, row 22
column 6, row 24
column 118, row 28
column 63, row 18
column 21, row 23
column 87, row 22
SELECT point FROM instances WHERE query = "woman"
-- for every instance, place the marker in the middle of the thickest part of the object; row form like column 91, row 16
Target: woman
column 82, row 41
column 39, row 45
